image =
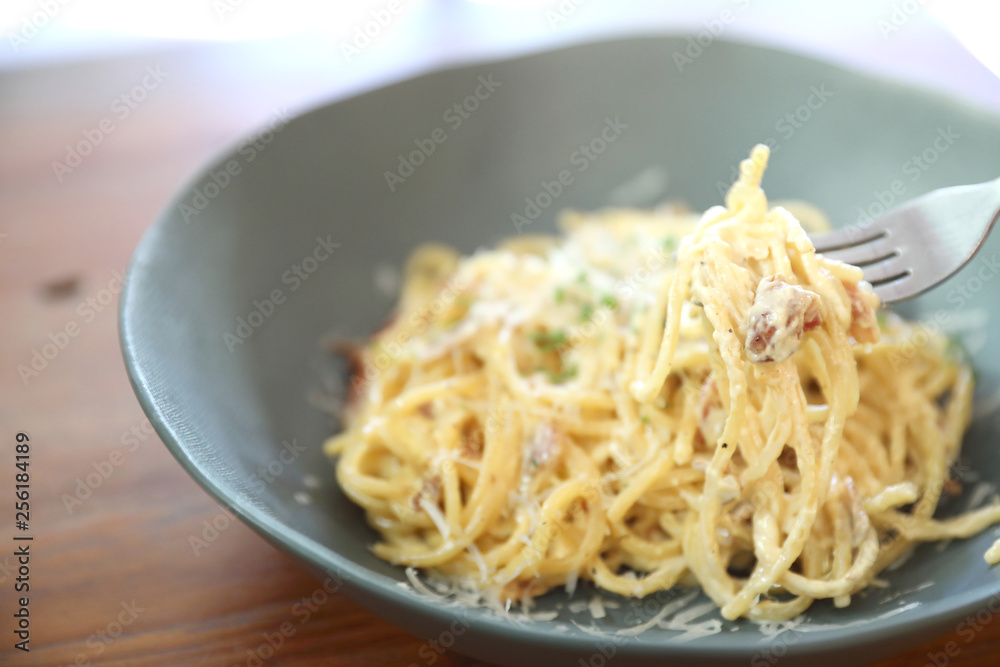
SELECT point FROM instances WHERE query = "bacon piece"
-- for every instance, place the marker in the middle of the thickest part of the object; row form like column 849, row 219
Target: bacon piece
column 473, row 440
column 952, row 487
column 781, row 312
column 864, row 303
column 353, row 354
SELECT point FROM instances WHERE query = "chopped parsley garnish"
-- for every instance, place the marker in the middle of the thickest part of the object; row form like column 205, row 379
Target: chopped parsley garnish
column 644, row 419
column 670, row 243
column 559, row 378
column 609, row 302
column 586, row 312
column 548, row 341
column 560, row 295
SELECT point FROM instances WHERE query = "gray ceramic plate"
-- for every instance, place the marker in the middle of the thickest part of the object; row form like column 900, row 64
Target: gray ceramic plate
column 234, row 286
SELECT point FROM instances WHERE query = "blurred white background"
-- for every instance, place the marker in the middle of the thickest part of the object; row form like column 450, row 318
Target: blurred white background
column 948, row 44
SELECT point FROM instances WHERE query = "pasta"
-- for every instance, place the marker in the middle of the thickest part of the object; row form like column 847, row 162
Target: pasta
column 655, row 400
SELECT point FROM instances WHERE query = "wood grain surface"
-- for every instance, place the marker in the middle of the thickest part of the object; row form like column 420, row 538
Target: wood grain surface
column 113, row 578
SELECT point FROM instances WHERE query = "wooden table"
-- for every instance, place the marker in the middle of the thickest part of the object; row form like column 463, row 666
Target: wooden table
column 113, row 580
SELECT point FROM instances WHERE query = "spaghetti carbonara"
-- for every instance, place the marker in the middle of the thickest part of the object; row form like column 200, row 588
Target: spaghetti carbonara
column 655, row 400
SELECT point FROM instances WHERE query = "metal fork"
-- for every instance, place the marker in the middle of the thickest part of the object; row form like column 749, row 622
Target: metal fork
column 918, row 244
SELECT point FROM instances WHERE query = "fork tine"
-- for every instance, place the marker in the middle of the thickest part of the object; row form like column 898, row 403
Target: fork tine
column 845, row 237
column 897, row 290
column 835, row 238
column 887, row 271
column 919, row 243
column 868, row 252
